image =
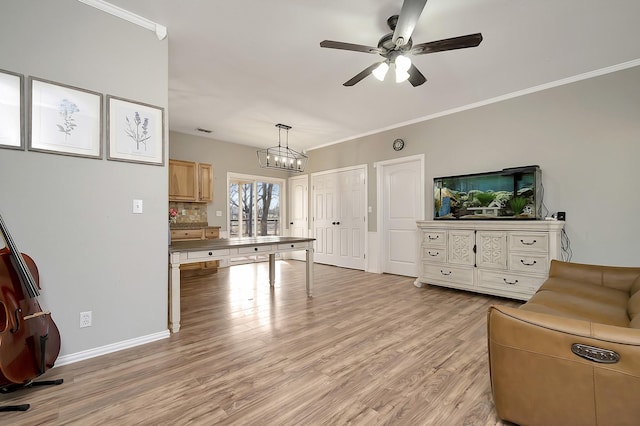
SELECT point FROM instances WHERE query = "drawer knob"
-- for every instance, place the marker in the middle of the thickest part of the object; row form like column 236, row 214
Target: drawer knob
column 510, row 282
column 433, row 238
column 445, row 273
column 255, row 248
column 292, row 245
column 526, row 243
column 527, row 264
column 433, row 255
column 210, row 253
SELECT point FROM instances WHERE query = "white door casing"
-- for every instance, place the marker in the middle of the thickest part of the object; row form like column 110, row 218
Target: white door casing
column 401, row 199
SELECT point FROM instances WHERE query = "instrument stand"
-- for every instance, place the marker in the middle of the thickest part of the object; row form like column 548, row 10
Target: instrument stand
column 17, row 386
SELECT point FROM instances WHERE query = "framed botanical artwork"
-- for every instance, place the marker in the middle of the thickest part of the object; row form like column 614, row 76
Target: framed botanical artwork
column 135, row 131
column 11, row 110
column 64, row 119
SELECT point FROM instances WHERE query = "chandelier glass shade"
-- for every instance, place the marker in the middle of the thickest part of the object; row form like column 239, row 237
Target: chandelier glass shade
column 282, row 157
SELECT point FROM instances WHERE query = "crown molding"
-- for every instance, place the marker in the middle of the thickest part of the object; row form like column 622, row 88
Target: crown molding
column 159, row 30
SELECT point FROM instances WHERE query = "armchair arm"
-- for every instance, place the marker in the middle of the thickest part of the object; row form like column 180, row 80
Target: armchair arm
column 536, row 378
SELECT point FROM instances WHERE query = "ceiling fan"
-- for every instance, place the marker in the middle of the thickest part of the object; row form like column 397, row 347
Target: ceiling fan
column 397, row 45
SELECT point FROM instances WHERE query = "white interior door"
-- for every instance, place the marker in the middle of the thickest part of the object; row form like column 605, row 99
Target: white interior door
column 298, row 212
column 339, row 219
column 401, row 191
column 325, row 214
column 351, row 221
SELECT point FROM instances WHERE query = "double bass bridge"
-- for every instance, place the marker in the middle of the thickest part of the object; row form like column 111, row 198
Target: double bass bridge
column 36, row 315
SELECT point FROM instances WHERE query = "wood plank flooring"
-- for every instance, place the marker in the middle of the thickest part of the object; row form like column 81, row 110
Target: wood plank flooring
column 367, row 349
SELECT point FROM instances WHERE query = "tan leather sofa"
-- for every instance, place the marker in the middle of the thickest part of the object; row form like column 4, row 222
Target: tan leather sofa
column 571, row 354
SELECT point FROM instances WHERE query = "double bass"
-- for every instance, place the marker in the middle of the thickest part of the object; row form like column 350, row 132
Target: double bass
column 29, row 339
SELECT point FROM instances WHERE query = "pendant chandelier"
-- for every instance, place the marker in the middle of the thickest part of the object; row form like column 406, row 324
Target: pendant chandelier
column 282, row 157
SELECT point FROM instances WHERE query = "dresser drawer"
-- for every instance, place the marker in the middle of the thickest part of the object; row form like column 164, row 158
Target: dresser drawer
column 186, row 234
column 211, row 233
column 255, row 249
column 529, row 242
column 447, row 273
column 206, row 254
column 295, row 246
column 534, row 263
column 434, row 254
column 434, row 238
column 504, row 281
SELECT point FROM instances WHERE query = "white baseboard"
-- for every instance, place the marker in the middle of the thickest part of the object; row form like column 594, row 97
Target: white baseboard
column 114, row 347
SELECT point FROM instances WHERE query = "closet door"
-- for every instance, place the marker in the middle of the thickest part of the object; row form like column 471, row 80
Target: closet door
column 339, row 219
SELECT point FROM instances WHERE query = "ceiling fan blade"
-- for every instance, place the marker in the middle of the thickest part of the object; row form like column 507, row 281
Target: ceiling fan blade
column 364, row 73
column 350, row 46
column 415, row 76
column 462, row 42
column 409, row 15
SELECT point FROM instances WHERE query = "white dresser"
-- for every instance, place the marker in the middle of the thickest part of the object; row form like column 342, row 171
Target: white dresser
column 507, row 258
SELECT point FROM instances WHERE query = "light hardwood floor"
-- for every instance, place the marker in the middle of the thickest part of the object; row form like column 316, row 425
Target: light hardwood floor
column 367, row 349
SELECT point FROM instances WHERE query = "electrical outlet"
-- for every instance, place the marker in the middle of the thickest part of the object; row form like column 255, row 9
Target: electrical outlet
column 85, row 319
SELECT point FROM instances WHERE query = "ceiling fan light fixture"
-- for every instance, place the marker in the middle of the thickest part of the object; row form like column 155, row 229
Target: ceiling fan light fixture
column 403, row 63
column 381, row 71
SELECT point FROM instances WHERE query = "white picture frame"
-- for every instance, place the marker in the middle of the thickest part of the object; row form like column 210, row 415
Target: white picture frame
column 11, row 110
column 135, row 131
column 64, row 119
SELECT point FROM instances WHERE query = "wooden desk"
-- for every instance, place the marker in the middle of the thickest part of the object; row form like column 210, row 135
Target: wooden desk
column 185, row 252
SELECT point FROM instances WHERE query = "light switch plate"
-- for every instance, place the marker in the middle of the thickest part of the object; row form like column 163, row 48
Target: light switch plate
column 137, row 206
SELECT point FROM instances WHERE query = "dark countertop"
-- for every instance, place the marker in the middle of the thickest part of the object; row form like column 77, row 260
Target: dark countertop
column 225, row 243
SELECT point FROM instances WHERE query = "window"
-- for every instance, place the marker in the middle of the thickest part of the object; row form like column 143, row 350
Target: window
column 254, row 206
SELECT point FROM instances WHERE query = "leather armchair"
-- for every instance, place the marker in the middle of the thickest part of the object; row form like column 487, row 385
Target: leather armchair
column 571, row 354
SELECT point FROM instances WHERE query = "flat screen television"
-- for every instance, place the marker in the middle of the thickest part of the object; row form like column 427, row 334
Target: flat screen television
column 511, row 193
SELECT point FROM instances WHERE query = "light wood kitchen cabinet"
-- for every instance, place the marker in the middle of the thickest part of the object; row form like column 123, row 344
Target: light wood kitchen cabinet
column 190, row 181
column 205, row 182
column 182, row 180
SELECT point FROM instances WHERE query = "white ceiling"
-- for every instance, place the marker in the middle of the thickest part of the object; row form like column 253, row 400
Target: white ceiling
column 239, row 67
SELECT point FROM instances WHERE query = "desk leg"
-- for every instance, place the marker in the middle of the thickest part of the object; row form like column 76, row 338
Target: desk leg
column 174, row 293
column 310, row 272
column 272, row 269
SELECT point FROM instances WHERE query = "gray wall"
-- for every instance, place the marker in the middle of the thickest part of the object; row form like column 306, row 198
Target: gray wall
column 585, row 136
column 73, row 215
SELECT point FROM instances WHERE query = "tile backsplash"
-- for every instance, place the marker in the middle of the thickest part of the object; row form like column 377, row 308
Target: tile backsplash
column 190, row 212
